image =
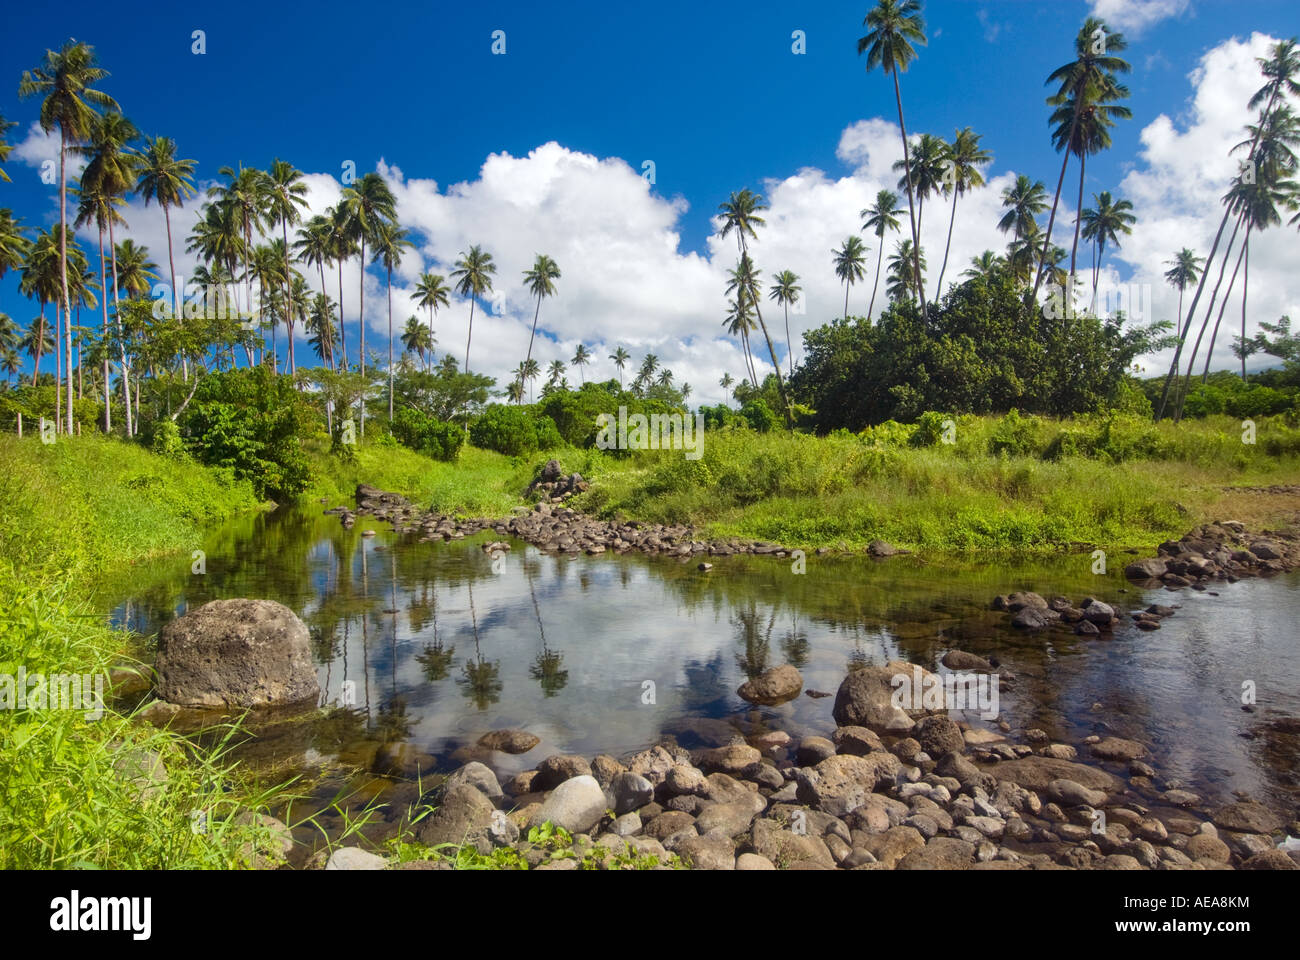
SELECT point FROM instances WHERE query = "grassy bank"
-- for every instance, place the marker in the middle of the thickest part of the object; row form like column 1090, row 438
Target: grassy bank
column 77, row 791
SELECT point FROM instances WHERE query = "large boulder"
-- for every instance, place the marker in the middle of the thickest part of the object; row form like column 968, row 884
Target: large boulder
column 236, row 653
column 866, row 698
column 577, row 805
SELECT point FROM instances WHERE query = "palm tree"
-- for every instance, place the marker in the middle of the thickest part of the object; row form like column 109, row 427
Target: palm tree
column 620, row 358
column 726, row 382
column 390, row 242
column 530, row 372
column 135, row 271
column 313, row 247
column 342, row 247
column 368, row 202
column 554, row 373
column 109, row 176
column 1183, row 270
column 1104, row 224
column 285, row 194
column 13, row 245
column 474, row 271
column 929, row 164
column 1024, row 201
column 98, row 207
column 319, row 324
column 878, row 219
column 740, row 213
column 40, row 279
column 962, row 173
column 432, row 292
column 5, row 146
column 848, row 261
column 267, row 267
column 984, row 266
column 418, row 338
column 739, row 321
column 170, row 181
column 581, row 357
column 36, row 343
column 1085, row 82
column 894, row 26
column 10, row 360
column 785, row 290
column 665, row 378
column 541, row 283
column 64, row 80
column 901, row 264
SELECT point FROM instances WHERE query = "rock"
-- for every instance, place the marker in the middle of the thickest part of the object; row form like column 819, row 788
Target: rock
column 772, row 687
column 841, row 783
column 521, row 783
column 1031, row 618
column 1099, row 613
column 236, row 653
column 961, row 660
column 1115, row 748
column 653, row 764
column 938, row 735
column 1035, row 773
column 708, row 853
column 683, row 779
column 476, row 775
column 732, row 818
column 1150, row 569
column 813, row 750
column 733, row 758
column 865, row 697
column 509, row 741
column 855, row 741
column 631, row 791
column 463, row 815
column 754, row 861
column 554, row 770
column 354, row 858
column 1203, row 846
column 1071, row 794
column 605, row 768
column 1246, row 818
column 627, row 825
column 1267, row 550
column 1086, row 628
column 893, row 845
column 143, row 769
column 880, row 549
column 577, row 805
column 668, row 823
column 940, row 853
column 779, row 846
column 1270, row 860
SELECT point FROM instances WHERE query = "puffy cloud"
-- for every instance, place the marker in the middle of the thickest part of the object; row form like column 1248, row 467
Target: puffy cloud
column 38, row 147
column 1136, row 15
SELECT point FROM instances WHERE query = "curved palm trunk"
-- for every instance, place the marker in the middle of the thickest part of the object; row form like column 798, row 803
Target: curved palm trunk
column 103, row 286
column 1051, row 220
column 121, row 340
column 1245, row 289
column 390, row 344
column 361, row 323
column 789, row 350
column 1191, row 364
column 288, row 298
column 911, row 206
column 880, row 255
column 1078, row 218
column 529, row 356
column 1223, row 307
column 952, row 218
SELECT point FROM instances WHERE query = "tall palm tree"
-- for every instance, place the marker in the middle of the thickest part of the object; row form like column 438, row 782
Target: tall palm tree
column 135, row 271
column 740, row 213
column 739, row 321
column 342, row 247
column 879, row 219
column 620, row 358
column 1183, row 270
column 894, row 26
column 1084, row 82
column 40, row 279
column 319, row 324
column 109, row 176
column 286, row 195
column 1024, row 201
column 928, row 166
column 368, row 202
column 94, row 205
column 554, row 373
column 13, row 245
column 541, row 283
column 581, row 357
column 1104, row 224
column 63, row 81
column 418, row 338
column 530, row 371
column 785, row 290
column 473, row 276
column 726, row 382
column 168, row 180
column 984, row 266
column 36, row 343
column 390, row 242
column 962, row 174
column 432, row 292
column 848, row 260
column 267, row 267
column 312, row 246
column 5, row 145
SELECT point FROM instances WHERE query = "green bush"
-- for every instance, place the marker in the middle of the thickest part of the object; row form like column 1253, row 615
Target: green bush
column 514, row 431
column 428, row 435
column 759, row 415
column 166, row 441
column 1014, row 435
column 929, row 429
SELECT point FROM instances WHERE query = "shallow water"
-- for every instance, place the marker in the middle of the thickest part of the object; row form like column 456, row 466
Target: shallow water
column 440, row 647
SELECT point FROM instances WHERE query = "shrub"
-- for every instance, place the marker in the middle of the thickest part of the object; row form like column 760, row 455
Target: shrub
column 428, row 435
column 1014, row 435
column 514, row 431
column 759, row 415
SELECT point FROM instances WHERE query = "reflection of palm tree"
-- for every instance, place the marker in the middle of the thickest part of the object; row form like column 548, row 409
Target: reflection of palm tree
column 756, row 640
column 391, row 724
column 436, row 661
column 548, row 668
column 481, row 680
column 795, row 646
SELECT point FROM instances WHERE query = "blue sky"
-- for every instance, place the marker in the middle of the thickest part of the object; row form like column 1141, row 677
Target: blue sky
column 710, row 92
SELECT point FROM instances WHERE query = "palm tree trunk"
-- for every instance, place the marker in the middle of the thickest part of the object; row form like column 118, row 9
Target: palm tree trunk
column 911, row 208
column 1191, row 364
column 880, row 255
column 343, row 327
column 40, row 342
column 176, row 294
column 63, row 259
column 117, row 316
column 1051, row 220
column 390, row 345
column 789, row 350
column 1223, row 307
column 103, row 286
column 470, row 335
column 1078, row 217
column 846, row 301
column 952, row 218
column 1245, row 288
column 536, row 313
column 288, row 297
column 58, row 371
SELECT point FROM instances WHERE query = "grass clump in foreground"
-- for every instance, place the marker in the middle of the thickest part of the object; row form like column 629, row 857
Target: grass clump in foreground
column 1013, row 483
